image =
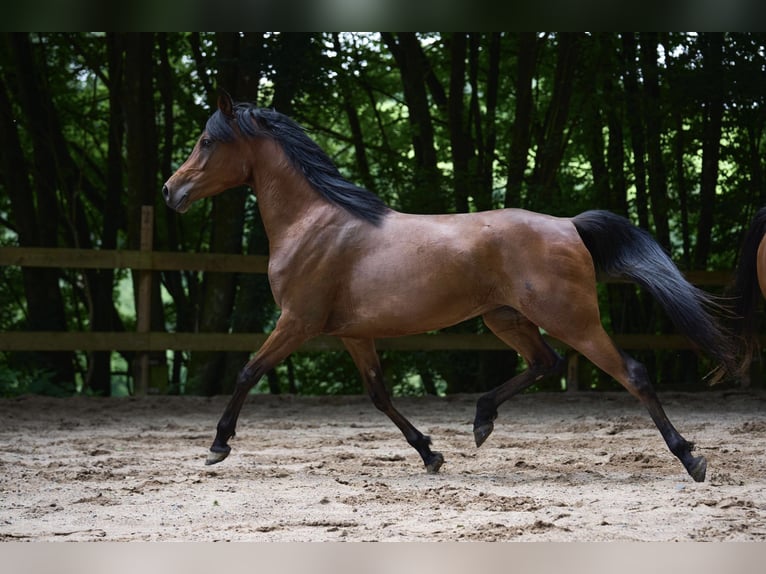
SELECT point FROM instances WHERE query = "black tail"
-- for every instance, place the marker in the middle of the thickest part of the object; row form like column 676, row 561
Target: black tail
column 620, row 250
column 745, row 289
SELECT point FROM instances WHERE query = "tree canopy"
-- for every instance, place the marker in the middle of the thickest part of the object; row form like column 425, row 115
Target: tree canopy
column 665, row 128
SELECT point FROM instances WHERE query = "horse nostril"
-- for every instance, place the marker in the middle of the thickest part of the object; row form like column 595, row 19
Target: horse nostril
column 165, row 192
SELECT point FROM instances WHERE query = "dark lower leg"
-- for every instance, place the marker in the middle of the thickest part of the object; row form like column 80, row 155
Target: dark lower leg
column 641, row 387
column 696, row 466
column 519, row 333
column 487, row 405
column 366, row 359
column 277, row 347
column 419, row 441
column 227, row 424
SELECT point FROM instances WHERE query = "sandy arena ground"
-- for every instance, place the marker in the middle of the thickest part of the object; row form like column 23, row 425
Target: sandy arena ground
column 559, row 467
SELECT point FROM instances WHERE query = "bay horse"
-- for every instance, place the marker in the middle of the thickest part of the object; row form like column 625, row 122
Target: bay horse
column 342, row 263
column 749, row 287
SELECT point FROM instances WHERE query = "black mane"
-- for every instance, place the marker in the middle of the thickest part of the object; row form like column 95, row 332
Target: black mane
column 305, row 155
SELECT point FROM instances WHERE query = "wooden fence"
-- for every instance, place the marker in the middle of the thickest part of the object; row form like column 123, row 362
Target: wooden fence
column 144, row 341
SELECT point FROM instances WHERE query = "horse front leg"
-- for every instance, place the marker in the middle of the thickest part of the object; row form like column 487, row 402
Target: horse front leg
column 280, row 343
column 367, row 361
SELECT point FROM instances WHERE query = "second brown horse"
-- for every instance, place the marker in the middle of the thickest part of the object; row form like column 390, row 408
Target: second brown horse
column 749, row 289
column 342, row 263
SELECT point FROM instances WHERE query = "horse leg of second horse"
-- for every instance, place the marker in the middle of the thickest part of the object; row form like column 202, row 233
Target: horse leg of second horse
column 367, row 361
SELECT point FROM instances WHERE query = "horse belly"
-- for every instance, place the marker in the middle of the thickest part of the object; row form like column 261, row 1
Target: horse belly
column 417, row 306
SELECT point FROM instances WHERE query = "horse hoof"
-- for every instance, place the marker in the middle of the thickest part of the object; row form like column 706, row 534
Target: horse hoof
column 698, row 469
column 435, row 463
column 217, row 454
column 480, row 433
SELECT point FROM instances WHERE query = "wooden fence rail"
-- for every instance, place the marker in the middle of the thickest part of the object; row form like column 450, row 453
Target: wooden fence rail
column 213, row 262
column 64, row 257
column 161, row 341
column 144, row 341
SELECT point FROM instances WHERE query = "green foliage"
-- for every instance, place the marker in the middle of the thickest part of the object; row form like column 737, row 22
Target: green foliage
column 75, row 98
column 15, row 382
column 327, row 373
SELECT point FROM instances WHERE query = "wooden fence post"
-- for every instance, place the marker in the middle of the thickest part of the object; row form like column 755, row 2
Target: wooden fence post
column 144, row 304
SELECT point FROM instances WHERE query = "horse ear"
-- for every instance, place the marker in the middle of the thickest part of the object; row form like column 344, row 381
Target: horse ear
column 225, row 105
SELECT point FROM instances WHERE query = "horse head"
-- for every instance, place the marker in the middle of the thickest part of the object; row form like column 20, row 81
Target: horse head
column 214, row 164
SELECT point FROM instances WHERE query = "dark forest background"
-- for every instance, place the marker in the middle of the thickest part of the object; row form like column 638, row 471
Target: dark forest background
column 665, row 128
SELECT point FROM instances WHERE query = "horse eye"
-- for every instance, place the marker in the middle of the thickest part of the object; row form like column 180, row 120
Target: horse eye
column 206, row 142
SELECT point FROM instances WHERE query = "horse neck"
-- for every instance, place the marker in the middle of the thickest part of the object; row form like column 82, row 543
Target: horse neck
column 289, row 206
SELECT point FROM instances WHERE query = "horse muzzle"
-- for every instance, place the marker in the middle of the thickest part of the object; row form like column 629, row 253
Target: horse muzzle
column 177, row 202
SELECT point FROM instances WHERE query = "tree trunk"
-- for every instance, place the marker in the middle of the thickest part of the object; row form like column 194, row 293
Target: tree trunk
column 679, row 145
column 657, row 172
column 614, row 112
column 295, row 51
column 354, row 124
column 552, row 138
column 521, row 132
column 253, row 302
column 486, row 156
column 460, row 139
column 658, row 188
column 168, row 219
column 712, row 45
column 142, row 168
column 427, row 196
column 45, row 302
column 102, row 287
column 227, row 219
column 594, row 128
column 635, row 111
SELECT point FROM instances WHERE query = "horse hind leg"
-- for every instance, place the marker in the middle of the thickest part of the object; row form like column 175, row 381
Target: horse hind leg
column 367, row 361
column 632, row 375
column 641, row 387
column 520, row 334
